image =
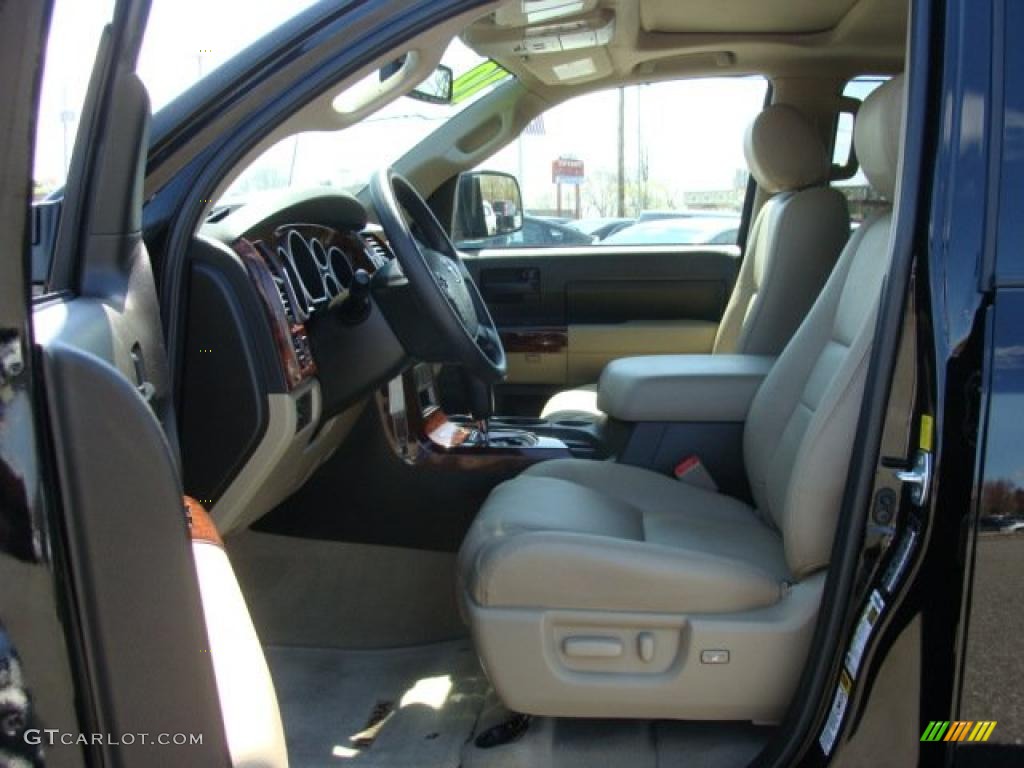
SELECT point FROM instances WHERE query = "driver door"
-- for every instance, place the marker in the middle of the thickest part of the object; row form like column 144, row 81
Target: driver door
column 97, row 589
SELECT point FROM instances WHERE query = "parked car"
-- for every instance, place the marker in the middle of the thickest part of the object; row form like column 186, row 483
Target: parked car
column 681, row 213
column 692, row 230
column 1000, row 524
column 601, row 228
column 536, row 231
column 490, row 218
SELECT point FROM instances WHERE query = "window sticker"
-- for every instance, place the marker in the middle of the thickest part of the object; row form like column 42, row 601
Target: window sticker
column 865, row 628
column 827, row 740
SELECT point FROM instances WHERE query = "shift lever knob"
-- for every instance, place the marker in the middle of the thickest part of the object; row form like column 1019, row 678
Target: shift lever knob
column 481, row 402
column 481, row 398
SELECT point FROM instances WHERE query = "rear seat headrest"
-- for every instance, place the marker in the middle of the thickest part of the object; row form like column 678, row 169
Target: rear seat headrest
column 876, row 136
column 783, row 150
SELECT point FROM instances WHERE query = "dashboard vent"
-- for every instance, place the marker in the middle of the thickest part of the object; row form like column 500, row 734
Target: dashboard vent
column 285, row 289
column 289, row 310
column 377, row 249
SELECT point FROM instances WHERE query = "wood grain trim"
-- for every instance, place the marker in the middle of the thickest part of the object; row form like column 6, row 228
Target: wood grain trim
column 200, row 524
column 430, row 439
column 350, row 243
column 443, row 433
column 535, row 340
column 285, row 334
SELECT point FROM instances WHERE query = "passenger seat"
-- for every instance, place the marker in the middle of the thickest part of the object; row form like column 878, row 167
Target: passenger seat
column 792, row 247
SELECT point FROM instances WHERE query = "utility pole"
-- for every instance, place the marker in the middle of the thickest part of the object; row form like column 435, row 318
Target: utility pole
column 622, row 152
column 641, row 155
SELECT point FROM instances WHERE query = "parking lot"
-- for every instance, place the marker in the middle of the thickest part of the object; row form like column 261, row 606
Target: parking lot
column 995, row 654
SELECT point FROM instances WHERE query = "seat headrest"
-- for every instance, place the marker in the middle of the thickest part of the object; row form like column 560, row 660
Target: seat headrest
column 876, row 136
column 784, row 151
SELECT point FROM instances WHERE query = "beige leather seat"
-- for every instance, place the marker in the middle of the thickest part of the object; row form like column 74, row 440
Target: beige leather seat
column 792, row 247
column 599, row 589
column 252, row 720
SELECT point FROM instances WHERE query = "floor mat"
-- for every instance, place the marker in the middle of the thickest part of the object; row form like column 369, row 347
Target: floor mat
column 383, row 709
column 587, row 743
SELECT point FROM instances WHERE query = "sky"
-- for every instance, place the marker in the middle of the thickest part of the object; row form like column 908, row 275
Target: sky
column 183, row 39
column 690, row 132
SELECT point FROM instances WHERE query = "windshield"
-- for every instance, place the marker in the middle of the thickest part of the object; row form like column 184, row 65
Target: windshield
column 345, row 159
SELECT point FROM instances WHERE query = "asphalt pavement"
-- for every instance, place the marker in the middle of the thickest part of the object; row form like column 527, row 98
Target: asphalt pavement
column 994, row 673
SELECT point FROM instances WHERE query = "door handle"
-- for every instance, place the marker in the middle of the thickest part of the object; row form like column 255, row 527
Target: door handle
column 510, row 284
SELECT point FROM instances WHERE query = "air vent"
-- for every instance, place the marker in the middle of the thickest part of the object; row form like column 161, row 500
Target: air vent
column 289, row 310
column 285, row 287
column 377, row 249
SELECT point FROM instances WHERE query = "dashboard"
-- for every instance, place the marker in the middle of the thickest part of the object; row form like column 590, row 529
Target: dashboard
column 277, row 369
column 298, row 270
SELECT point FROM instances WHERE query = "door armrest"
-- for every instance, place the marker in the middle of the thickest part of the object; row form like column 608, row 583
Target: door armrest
column 701, row 388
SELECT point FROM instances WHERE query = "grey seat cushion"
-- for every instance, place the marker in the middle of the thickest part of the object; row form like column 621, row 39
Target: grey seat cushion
column 602, row 536
column 569, row 543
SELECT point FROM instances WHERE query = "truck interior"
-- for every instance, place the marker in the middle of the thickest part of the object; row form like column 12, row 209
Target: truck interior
column 446, row 522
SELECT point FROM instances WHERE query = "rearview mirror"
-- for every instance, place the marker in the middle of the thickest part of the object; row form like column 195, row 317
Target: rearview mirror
column 438, row 88
column 487, row 204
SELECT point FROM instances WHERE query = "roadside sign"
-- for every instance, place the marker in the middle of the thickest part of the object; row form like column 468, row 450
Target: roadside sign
column 567, row 170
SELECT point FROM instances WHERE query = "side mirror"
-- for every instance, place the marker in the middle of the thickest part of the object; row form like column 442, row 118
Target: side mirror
column 487, row 204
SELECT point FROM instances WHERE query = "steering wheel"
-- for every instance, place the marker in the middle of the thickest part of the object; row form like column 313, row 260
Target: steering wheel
column 448, row 297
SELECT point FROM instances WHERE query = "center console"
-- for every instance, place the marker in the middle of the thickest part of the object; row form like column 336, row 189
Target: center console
column 420, row 431
column 659, row 409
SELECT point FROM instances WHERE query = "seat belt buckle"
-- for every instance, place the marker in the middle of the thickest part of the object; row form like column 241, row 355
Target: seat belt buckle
column 692, row 471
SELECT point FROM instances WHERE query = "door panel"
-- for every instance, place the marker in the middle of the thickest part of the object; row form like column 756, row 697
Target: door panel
column 132, row 596
column 565, row 313
column 592, row 346
column 611, row 299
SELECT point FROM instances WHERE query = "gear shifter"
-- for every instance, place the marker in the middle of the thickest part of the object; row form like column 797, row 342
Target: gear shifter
column 481, row 403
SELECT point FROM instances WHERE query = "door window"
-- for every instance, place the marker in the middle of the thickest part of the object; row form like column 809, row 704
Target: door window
column 185, row 40
column 74, row 36
column 654, row 164
column 861, row 198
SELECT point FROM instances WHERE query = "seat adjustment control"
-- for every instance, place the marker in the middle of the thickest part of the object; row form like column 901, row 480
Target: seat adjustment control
column 645, row 646
column 714, row 657
column 592, row 647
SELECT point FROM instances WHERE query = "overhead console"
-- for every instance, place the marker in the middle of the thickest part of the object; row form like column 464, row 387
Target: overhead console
column 592, row 31
column 564, row 42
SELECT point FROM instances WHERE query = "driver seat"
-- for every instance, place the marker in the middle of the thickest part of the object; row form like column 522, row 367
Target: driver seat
column 596, row 589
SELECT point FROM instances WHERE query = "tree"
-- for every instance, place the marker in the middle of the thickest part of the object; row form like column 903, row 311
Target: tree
column 601, row 195
column 1001, row 498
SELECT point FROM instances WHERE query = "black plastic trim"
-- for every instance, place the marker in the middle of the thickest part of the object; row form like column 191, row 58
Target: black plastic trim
column 224, row 405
